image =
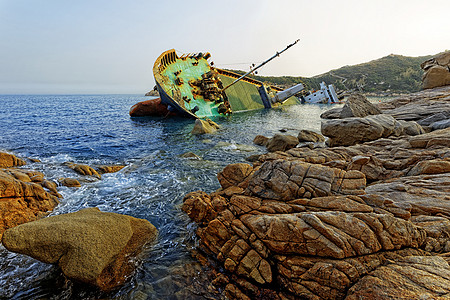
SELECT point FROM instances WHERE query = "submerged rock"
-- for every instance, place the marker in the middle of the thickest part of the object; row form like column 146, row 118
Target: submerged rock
column 90, row 246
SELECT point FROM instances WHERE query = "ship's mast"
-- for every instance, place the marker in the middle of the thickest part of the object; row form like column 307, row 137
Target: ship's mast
column 262, row 64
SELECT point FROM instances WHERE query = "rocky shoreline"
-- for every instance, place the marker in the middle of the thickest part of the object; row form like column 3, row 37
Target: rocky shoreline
column 363, row 214
column 90, row 246
column 367, row 218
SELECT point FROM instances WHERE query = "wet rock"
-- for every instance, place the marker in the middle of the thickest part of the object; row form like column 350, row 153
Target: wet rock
column 22, row 200
column 9, row 160
column 84, row 170
column 69, row 182
column 310, row 136
column 280, row 142
column 99, row 250
column 260, row 140
column 357, row 105
column 109, row 168
column 204, row 126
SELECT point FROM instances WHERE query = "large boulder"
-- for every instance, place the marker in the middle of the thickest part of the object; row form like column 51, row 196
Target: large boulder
column 351, row 131
column 437, row 71
column 24, row 196
column 357, row 105
column 98, row 248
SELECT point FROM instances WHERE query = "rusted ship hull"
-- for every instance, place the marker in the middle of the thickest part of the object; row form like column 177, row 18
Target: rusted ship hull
column 191, row 87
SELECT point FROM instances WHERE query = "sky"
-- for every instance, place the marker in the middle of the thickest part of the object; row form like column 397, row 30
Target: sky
column 110, row 46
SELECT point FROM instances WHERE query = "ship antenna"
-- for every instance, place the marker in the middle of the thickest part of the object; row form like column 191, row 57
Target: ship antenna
column 262, row 64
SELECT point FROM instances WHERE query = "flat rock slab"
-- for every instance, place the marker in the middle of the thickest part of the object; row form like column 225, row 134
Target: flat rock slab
column 413, row 277
column 89, row 245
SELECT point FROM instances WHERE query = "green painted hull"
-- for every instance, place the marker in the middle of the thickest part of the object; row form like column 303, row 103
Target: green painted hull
column 191, row 87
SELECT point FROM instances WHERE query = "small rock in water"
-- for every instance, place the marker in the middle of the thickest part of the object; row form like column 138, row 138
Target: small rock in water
column 83, row 169
column 204, row 126
column 281, row 142
column 69, row 182
column 109, row 169
column 260, row 140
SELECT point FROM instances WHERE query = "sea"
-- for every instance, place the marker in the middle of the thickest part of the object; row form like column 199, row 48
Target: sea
column 97, row 130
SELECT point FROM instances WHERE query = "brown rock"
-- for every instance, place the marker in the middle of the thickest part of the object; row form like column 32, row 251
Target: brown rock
column 437, row 71
column 288, row 180
column 423, row 194
column 357, row 105
column 109, row 169
column 152, row 107
column 351, row 131
column 310, row 136
column 22, row 201
column 204, row 126
column 9, row 160
column 280, row 142
column 435, row 166
column 83, row 169
column 436, row 138
column 69, row 182
column 406, row 278
column 99, row 250
column 260, row 140
column 235, row 175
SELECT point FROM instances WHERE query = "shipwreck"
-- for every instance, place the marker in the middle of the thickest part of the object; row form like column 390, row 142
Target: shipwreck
column 190, row 86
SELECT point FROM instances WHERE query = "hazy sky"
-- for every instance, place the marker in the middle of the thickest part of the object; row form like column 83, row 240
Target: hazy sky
column 109, row 46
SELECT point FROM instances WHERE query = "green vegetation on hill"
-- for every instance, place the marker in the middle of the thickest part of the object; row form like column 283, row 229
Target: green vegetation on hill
column 389, row 74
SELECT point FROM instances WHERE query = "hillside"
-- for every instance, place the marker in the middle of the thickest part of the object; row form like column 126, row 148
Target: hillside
column 389, row 74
